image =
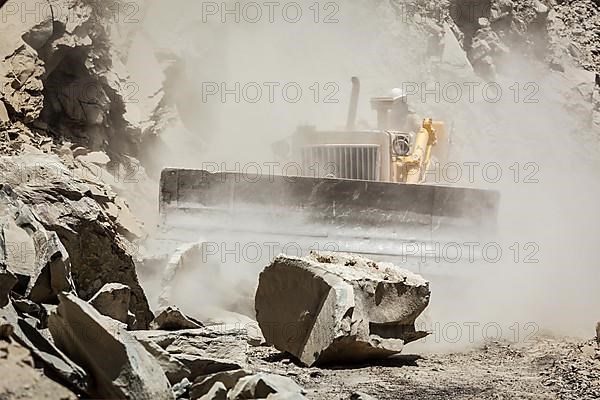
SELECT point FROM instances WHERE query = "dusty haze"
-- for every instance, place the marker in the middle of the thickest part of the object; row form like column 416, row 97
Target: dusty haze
column 555, row 210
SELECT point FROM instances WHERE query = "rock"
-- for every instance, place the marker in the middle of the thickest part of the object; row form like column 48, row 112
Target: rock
column 483, row 22
column 285, row 396
column 3, row 113
column 7, row 281
column 361, row 396
column 224, row 320
column 64, row 203
column 119, row 364
column 540, row 7
column 6, row 329
column 202, row 364
column 202, row 351
column 338, row 307
column 35, row 255
column 598, row 333
column 112, row 300
column 181, row 388
column 261, row 385
column 45, row 351
column 174, row 369
column 21, row 70
column 501, row 9
column 171, row 319
column 21, row 381
column 217, row 392
column 228, row 379
column 95, row 157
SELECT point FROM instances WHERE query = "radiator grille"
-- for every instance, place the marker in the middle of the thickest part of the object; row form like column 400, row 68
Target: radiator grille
column 342, row 161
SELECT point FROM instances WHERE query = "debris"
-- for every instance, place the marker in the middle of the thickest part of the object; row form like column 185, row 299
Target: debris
column 35, row 255
column 227, row 321
column 95, row 157
column 6, row 328
column 217, row 392
column 202, row 351
column 171, row 319
column 174, row 369
column 120, row 366
column 361, row 396
column 228, row 379
column 112, row 300
column 3, row 113
column 338, row 307
column 7, row 281
column 261, row 385
column 181, row 388
column 45, row 351
column 483, row 22
column 285, row 396
column 540, row 7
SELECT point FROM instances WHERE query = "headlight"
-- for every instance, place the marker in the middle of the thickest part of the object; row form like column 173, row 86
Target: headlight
column 401, row 145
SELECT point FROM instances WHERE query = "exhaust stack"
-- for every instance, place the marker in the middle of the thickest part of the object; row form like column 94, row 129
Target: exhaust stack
column 351, row 123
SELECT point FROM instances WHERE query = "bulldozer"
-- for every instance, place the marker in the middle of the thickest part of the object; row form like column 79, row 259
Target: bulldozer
column 354, row 189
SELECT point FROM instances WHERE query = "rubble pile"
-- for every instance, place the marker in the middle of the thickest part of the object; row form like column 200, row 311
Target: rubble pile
column 575, row 374
column 558, row 33
column 573, row 32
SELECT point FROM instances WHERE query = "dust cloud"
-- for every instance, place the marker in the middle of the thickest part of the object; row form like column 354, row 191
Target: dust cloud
column 532, row 134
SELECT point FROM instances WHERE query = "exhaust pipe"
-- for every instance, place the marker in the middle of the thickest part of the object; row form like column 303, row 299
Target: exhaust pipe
column 351, row 123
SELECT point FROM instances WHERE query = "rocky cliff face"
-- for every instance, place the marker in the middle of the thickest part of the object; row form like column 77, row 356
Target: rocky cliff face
column 69, row 124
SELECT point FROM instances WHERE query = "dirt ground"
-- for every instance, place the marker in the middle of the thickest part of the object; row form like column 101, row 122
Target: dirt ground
column 545, row 368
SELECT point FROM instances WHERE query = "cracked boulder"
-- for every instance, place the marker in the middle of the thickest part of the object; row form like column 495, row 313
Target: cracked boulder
column 333, row 307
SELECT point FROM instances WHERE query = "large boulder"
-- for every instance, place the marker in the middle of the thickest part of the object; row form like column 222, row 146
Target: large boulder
column 119, row 365
column 332, row 307
column 78, row 212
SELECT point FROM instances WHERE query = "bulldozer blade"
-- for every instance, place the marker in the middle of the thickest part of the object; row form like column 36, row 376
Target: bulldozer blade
column 360, row 216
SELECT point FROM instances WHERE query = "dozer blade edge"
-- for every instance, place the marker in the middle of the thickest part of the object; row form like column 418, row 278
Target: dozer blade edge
column 349, row 212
